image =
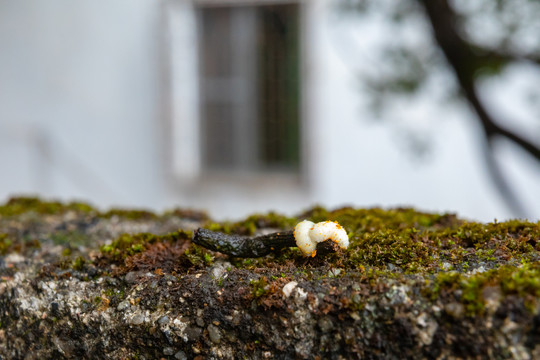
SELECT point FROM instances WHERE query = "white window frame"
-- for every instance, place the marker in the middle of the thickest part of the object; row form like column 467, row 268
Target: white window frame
column 186, row 164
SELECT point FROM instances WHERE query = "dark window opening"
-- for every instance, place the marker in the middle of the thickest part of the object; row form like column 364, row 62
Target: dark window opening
column 250, row 87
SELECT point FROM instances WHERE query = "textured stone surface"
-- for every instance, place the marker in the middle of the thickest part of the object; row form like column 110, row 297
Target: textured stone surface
column 55, row 306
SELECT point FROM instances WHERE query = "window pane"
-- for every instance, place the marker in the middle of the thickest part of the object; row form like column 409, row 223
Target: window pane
column 250, row 87
column 279, row 85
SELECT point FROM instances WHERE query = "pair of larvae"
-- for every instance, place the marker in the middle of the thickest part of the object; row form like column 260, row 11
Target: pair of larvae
column 306, row 235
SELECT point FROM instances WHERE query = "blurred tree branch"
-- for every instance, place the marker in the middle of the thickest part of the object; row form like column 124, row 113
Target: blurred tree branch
column 467, row 60
column 469, row 43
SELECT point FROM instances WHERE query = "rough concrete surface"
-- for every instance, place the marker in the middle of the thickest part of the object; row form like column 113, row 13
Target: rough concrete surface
column 411, row 286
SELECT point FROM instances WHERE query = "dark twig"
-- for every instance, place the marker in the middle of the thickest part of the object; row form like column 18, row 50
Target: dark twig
column 252, row 247
column 243, row 246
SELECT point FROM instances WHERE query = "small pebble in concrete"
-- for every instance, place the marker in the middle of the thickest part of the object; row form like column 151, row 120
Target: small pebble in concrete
column 163, row 320
column 214, row 334
column 137, row 319
column 288, row 288
column 180, row 355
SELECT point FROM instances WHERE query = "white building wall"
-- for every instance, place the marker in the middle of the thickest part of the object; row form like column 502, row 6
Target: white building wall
column 81, row 79
column 82, row 115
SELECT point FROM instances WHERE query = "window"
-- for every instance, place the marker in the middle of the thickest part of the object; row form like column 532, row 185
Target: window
column 249, row 87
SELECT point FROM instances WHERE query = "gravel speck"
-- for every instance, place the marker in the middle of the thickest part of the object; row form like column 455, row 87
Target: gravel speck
column 137, row 319
column 214, row 334
column 288, row 288
column 180, row 355
column 163, row 320
column 123, row 305
column 325, row 324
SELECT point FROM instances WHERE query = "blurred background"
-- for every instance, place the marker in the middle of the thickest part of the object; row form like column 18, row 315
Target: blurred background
column 240, row 106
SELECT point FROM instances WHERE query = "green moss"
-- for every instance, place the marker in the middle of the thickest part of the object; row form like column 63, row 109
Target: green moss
column 523, row 281
column 359, row 221
column 405, row 249
column 395, row 240
column 127, row 244
column 199, row 256
column 372, row 243
column 5, row 244
column 410, row 240
column 19, row 205
column 415, row 241
column 254, row 222
column 130, row 244
column 71, row 238
column 10, row 243
column 516, row 233
column 78, row 263
column 259, row 287
column 117, row 293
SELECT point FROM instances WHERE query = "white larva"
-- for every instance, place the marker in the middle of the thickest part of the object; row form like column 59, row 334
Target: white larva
column 308, row 234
